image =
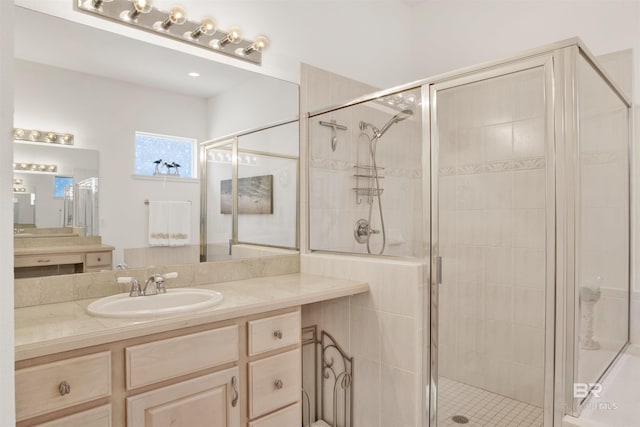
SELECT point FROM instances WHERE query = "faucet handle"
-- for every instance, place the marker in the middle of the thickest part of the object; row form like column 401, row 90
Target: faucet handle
column 135, row 286
column 160, row 281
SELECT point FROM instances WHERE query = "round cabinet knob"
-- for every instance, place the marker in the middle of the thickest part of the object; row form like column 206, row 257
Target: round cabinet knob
column 99, row 259
column 64, row 388
column 277, row 334
column 278, row 384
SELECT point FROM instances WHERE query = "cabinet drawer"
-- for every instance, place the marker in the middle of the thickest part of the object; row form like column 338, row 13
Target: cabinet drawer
column 95, row 259
column 162, row 360
column 274, row 382
column 41, row 389
column 38, row 260
column 290, row 416
column 274, row 332
column 96, row 417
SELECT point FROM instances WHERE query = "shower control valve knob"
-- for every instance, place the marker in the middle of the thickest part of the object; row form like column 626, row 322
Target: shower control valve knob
column 362, row 230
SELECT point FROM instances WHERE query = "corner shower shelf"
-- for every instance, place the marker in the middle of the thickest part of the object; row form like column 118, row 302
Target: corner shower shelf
column 365, row 186
column 369, row 192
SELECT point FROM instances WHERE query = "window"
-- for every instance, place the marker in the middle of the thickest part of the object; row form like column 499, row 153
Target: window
column 59, row 184
column 163, row 155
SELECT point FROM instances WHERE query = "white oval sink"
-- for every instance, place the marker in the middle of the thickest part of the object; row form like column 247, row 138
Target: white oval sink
column 177, row 300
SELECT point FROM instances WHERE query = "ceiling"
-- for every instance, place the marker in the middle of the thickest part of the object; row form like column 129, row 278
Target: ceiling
column 54, row 41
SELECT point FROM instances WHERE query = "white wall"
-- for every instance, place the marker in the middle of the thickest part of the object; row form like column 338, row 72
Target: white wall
column 466, row 32
column 250, row 105
column 56, row 99
column 7, row 395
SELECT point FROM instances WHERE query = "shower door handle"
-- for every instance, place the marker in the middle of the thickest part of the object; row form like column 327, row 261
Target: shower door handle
column 438, row 267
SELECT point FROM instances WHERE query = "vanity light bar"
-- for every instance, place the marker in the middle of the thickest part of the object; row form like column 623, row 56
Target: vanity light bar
column 33, row 135
column 17, row 181
column 19, row 190
column 34, row 167
column 174, row 24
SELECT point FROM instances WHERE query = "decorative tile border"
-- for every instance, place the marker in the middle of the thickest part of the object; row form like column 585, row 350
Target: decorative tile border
column 494, row 167
column 603, row 158
column 341, row 165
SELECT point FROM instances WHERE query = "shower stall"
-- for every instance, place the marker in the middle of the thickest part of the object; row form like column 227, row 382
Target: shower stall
column 510, row 180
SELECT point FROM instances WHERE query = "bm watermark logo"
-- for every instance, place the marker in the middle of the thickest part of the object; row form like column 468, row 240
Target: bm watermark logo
column 582, row 390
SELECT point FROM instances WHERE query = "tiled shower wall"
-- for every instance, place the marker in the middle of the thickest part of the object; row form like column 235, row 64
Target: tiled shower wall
column 383, row 328
column 334, row 205
column 492, row 235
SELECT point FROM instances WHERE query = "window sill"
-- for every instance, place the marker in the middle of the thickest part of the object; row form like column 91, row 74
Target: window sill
column 165, row 178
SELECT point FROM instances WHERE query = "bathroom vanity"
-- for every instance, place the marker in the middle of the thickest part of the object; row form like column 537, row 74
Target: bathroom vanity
column 39, row 255
column 236, row 364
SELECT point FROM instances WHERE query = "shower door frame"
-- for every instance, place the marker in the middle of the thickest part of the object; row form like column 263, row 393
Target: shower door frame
column 545, row 61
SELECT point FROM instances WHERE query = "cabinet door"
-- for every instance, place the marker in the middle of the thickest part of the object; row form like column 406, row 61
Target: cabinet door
column 207, row 401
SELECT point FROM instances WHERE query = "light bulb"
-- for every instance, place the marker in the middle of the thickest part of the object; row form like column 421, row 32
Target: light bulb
column 18, row 133
column 34, row 135
column 207, row 27
column 137, row 7
column 233, row 36
column 177, row 16
column 67, row 138
column 97, row 4
column 51, row 137
column 259, row 44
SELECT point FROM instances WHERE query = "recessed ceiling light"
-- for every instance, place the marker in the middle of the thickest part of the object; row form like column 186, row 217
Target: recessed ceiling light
column 194, row 74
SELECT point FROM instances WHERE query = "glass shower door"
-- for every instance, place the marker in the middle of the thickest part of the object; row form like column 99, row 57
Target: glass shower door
column 490, row 192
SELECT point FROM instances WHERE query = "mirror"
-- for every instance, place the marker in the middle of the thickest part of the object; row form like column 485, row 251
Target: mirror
column 103, row 88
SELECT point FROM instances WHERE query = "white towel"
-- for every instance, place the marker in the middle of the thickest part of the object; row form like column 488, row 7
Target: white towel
column 169, row 223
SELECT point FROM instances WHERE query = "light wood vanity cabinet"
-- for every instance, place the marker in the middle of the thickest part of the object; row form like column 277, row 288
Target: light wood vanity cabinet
column 275, row 381
column 98, row 261
column 50, row 261
column 58, row 385
column 241, row 372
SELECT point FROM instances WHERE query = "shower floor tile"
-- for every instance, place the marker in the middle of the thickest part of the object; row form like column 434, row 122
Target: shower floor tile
column 482, row 407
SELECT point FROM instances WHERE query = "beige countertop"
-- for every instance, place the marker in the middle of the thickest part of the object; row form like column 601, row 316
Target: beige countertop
column 53, row 328
column 61, row 249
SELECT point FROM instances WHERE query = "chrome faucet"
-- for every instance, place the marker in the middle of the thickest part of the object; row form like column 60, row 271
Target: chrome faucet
column 157, row 280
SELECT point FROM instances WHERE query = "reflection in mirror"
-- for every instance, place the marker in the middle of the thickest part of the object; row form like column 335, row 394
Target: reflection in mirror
column 46, row 201
column 217, row 231
column 273, row 153
column 103, row 88
column 250, row 193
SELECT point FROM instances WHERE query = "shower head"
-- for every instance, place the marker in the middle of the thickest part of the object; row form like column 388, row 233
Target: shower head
column 402, row 115
column 377, row 133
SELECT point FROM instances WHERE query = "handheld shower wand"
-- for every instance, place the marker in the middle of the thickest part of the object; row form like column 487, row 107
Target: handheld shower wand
column 364, row 226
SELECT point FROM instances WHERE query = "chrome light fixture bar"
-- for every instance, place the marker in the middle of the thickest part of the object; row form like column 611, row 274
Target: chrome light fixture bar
column 34, row 167
column 33, row 135
column 174, row 24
